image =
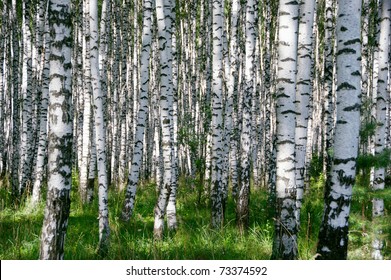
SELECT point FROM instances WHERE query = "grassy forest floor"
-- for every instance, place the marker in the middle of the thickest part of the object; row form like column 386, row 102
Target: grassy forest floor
column 20, row 228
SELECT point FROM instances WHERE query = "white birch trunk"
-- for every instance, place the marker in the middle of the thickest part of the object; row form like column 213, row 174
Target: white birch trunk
column 60, row 133
column 333, row 235
column 100, row 127
column 86, row 150
column 42, row 144
column 164, row 14
column 285, row 239
column 26, row 93
column 329, row 82
column 382, row 103
column 217, row 199
column 138, row 149
column 249, row 88
column 303, row 95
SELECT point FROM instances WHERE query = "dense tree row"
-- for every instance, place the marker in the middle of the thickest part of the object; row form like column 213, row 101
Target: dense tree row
column 232, row 95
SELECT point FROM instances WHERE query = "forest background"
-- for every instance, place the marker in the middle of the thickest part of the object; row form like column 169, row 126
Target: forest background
column 195, row 129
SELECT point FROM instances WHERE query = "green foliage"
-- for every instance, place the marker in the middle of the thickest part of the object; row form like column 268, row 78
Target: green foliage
column 311, row 215
column 20, row 229
column 365, row 161
column 316, row 166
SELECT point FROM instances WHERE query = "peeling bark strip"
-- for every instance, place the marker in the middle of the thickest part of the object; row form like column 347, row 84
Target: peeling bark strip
column 333, row 235
column 284, row 244
column 60, row 132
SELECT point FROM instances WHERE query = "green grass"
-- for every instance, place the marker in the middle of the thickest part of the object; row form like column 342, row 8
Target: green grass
column 195, row 240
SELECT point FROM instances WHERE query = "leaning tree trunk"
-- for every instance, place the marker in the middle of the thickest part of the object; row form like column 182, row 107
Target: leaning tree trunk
column 285, row 239
column 60, row 132
column 382, row 102
column 333, row 235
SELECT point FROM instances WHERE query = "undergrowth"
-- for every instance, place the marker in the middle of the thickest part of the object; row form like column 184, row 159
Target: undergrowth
column 194, row 239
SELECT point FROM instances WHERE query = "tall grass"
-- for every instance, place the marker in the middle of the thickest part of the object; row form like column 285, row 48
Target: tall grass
column 20, row 228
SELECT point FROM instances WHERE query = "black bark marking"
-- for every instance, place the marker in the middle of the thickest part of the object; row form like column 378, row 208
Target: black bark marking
column 356, row 73
column 343, row 161
column 352, row 42
column 355, row 107
column 345, row 85
column 287, row 59
column 346, row 51
column 284, row 80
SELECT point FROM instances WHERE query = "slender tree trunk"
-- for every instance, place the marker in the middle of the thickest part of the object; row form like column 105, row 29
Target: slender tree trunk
column 164, row 14
column 60, row 132
column 26, row 93
column 303, row 95
column 249, row 87
column 329, row 86
column 138, row 149
column 217, row 196
column 42, row 144
column 15, row 103
column 333, row 235
column 87, row 113
column 382, row 102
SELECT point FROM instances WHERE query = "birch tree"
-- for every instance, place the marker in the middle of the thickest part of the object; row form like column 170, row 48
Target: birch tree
column 15, row 101
column 60, row 132
column 285, row 239
column 100, row 134
column 303, row 94
column 217, row 199
column 382, row 102
column 42, row 141
column 87, row 111
column 164, row 14
column 333, row 235
column 249, row 88
column 142, row 115
column 26, row 94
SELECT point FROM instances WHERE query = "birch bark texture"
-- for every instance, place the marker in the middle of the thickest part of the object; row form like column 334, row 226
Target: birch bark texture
column 285, row 239
column 249, row 88
column 142, row 115
column 100, row 130
column 333, row 235
column 382, row 102
column 303, row 95
column 217, row 195
column 164, row 15
column 60, row 132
